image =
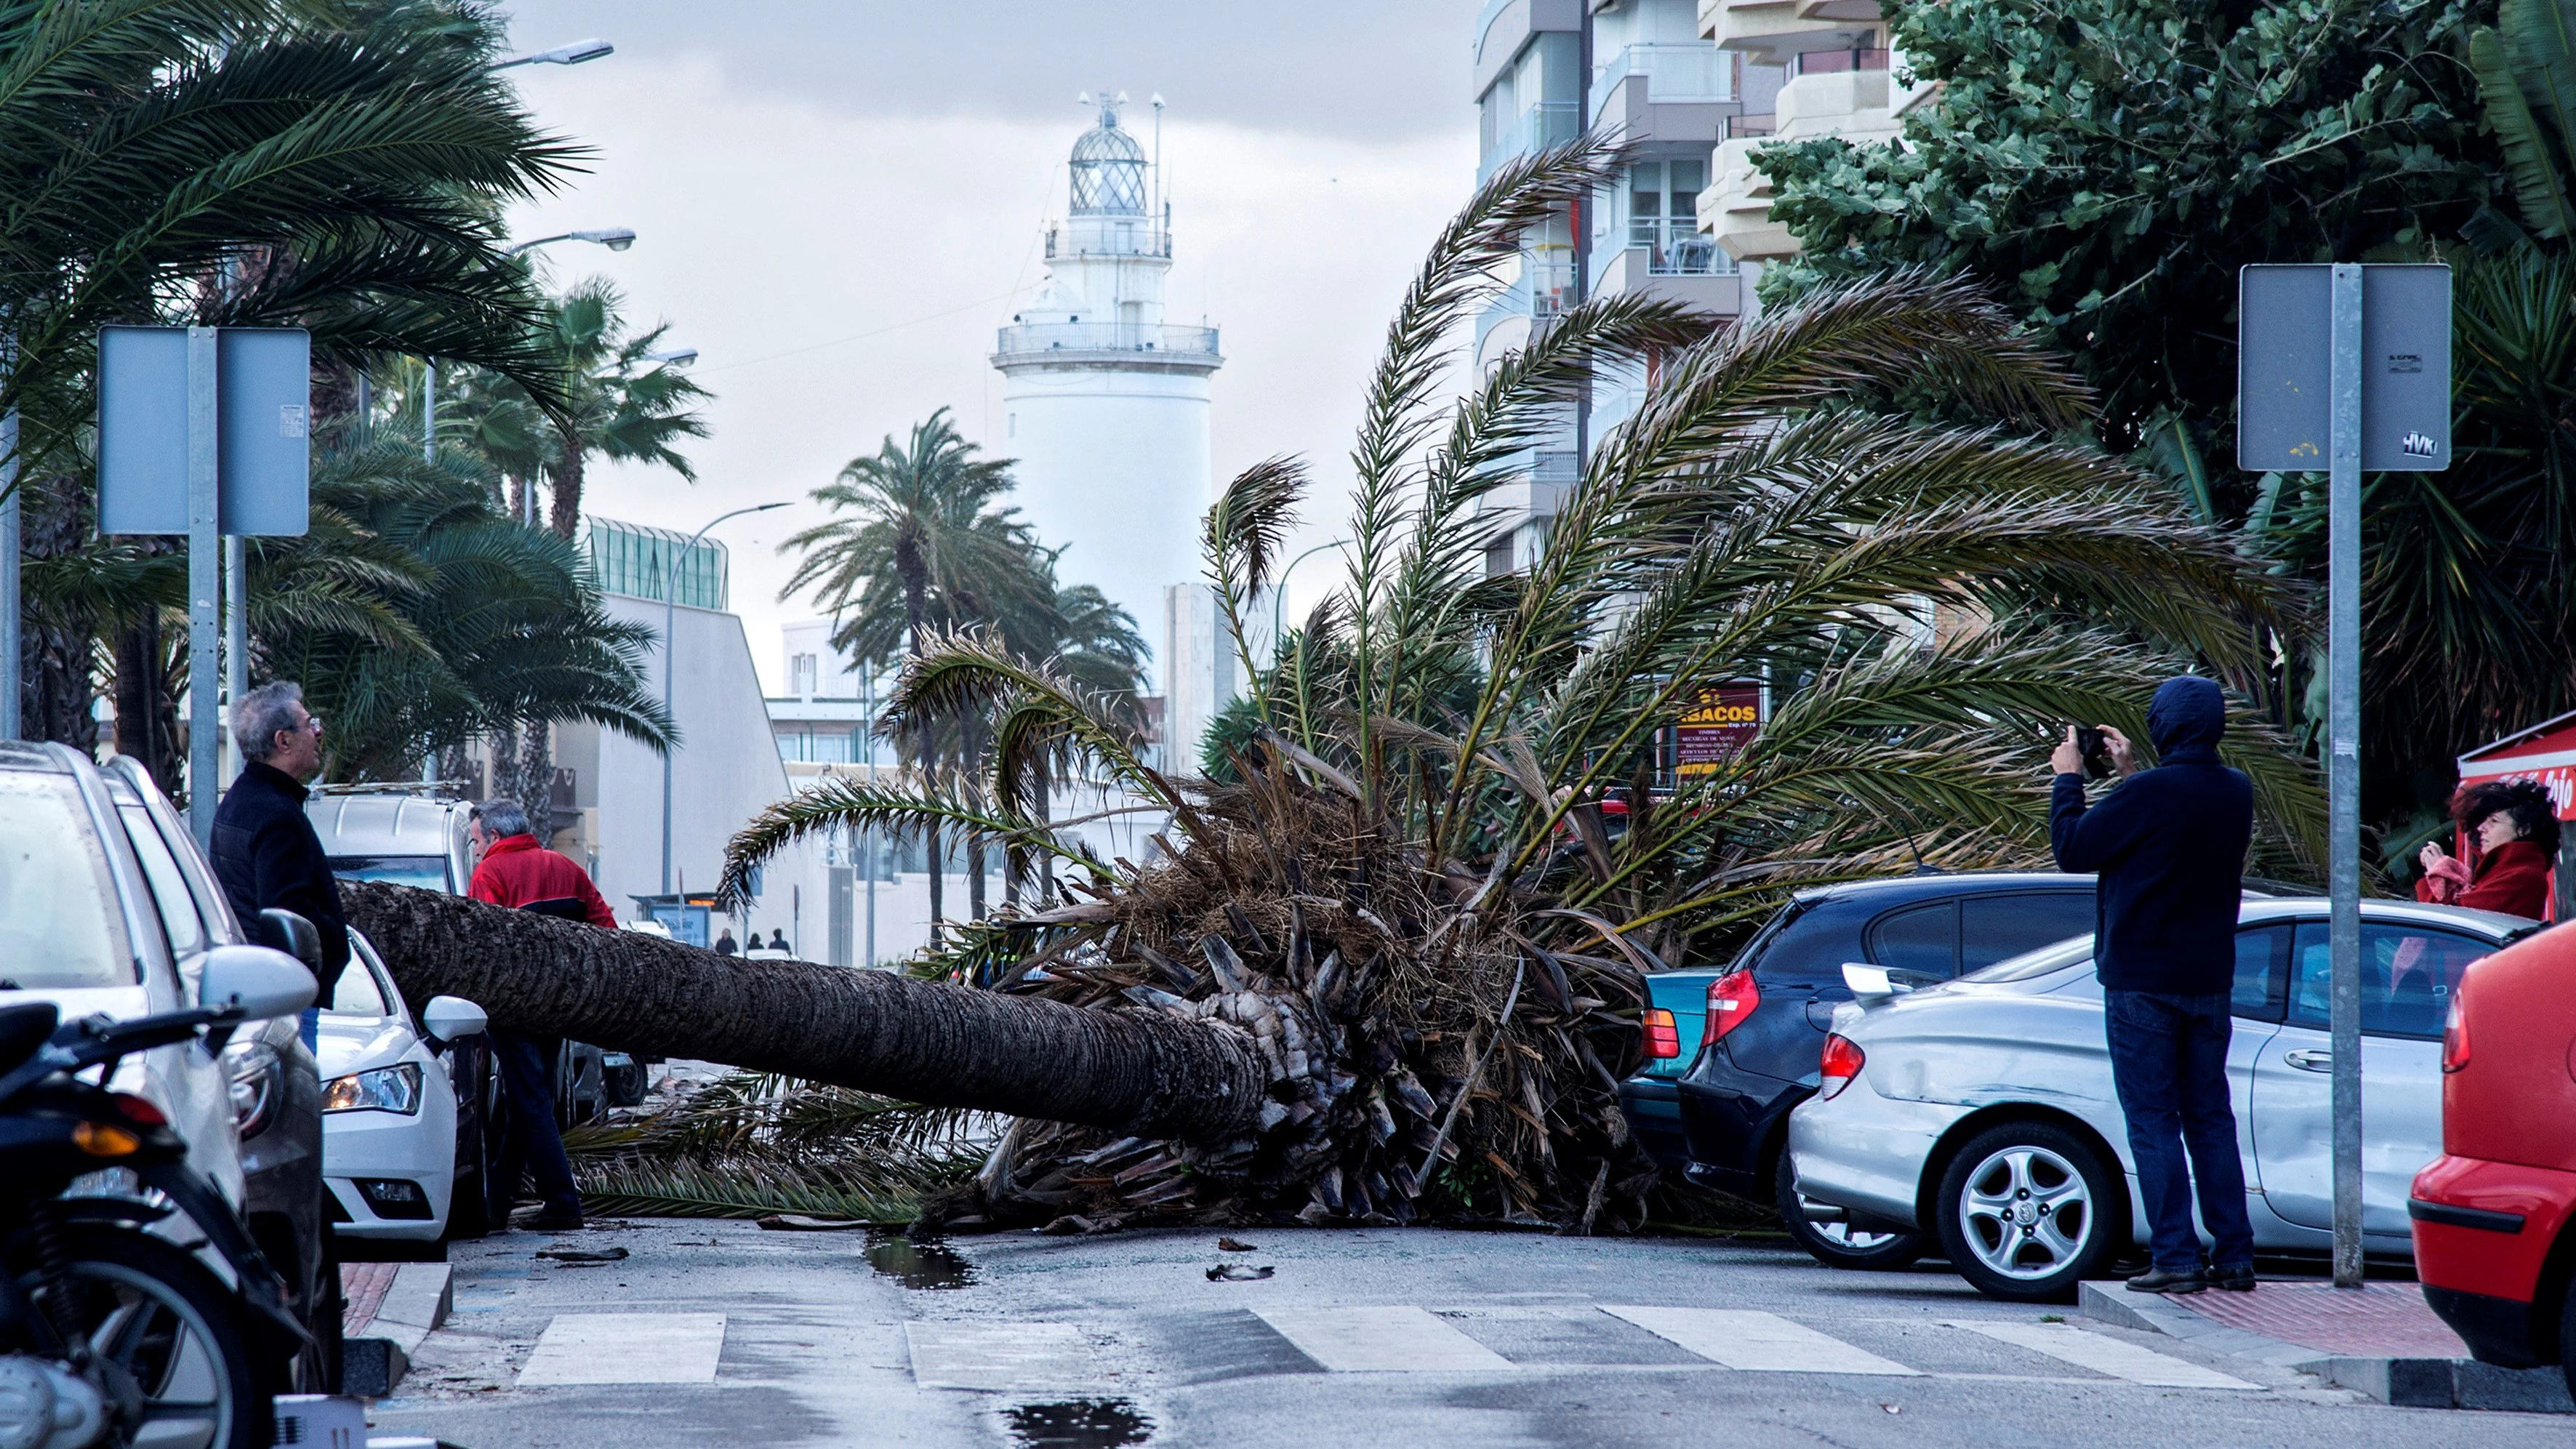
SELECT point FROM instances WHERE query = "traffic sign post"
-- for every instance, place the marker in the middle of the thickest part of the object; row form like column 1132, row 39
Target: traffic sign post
column 2350, row 366
column 204, row 431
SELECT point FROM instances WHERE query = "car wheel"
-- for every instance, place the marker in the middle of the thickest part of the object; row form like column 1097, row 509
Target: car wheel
column 1837, row 1245
column 2027, row 1211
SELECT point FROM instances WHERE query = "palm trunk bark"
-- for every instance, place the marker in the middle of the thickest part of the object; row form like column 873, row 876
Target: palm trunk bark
column 1145, row 1073
column 565, row 518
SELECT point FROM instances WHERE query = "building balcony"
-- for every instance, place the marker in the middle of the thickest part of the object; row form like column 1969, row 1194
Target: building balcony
column 1706, row 282
column 1039, row 342
column 1114, row 238
column 1855, row 105
column 1736, row 208
column 1770, row 32
column 1549, row 123
column 1673, row 246
column 1674, row 74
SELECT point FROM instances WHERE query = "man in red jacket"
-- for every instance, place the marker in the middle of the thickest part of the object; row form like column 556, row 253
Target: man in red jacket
column 515, row 871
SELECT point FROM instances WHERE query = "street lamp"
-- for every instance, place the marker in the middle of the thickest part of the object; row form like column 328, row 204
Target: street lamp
column 573, row 54
column 676, row 357
column 670, row 616
column 1279, row 588
column 615, row 238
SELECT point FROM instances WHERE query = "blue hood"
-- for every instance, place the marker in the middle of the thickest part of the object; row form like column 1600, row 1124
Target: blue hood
column 2187, row 711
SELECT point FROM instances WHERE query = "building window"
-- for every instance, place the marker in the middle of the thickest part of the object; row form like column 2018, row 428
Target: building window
column 800, row 674
column 1663, row 219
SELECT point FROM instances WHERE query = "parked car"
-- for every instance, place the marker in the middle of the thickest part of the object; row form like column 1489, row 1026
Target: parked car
column 395, row 1164
column 107, row 907
column 1721, row 1115
column 2491, row 1216
column 1982, row 1112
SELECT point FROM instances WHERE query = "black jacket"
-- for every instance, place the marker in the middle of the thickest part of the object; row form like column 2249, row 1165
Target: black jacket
column 267, row 856
column 2170, row 846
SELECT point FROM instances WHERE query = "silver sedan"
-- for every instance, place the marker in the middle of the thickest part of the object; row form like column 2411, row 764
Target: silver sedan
column 1982, row 1110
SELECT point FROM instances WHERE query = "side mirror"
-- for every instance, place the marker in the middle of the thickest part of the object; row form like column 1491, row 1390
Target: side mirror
column 256, row 980
column 447, row 1018
column 1869, row 983
column 288, row 932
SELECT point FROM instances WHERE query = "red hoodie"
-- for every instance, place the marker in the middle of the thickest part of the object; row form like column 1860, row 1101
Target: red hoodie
column 516, row 870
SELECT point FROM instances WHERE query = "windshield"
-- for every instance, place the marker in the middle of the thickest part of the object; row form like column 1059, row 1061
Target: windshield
column 429, row 872
column 2029, row 964
column 58, row 916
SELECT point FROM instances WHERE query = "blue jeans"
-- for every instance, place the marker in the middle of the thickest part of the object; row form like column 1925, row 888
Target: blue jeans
column 531, row 1146
column 2169, row 1064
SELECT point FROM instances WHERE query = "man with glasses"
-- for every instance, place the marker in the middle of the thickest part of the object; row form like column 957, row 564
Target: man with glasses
column 265, row 852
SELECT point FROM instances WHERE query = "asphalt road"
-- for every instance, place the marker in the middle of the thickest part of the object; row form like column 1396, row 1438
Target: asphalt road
column 721, row 1334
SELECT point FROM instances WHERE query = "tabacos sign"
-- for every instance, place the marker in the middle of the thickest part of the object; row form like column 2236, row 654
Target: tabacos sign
column 1722, row 720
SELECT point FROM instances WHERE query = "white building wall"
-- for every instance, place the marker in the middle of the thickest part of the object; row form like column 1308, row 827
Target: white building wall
column 1114, row 465
column 810, row 666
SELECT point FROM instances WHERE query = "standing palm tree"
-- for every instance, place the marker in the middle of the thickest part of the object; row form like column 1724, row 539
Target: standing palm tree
column 924, row 546
column 623, row 404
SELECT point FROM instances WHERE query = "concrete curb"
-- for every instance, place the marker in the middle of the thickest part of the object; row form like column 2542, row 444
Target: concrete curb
column 2416, row 1383
column 374, row 1360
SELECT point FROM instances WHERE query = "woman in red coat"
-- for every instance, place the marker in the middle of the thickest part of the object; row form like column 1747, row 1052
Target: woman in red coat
column 2516, row 830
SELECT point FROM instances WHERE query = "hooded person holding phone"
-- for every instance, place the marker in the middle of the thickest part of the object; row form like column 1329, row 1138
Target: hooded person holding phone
column 2169, row 845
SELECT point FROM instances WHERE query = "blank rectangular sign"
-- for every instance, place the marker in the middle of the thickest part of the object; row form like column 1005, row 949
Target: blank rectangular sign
column 2285, row 325
column 263, row 389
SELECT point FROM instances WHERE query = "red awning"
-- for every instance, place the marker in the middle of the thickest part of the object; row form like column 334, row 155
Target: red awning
column 2545, row 752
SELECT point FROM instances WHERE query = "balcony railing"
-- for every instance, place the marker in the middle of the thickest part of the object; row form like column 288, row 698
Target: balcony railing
column 1836, row 62
column 1740, row 128
column 1543, row 125
column 1674, row 72
column 1675, row 247
column 1038, row 337
column 1131, row 239
column 1551, row 465
column 1548, row 287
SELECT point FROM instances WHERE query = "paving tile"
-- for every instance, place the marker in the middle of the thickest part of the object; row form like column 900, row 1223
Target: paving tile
column 2376, row 1320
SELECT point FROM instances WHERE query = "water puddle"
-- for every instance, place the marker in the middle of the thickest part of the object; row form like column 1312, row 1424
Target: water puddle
column 919, row 1265
column 1077, row 1424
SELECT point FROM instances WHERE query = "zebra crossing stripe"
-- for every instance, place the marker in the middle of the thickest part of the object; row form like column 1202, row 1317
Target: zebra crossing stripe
column 997, row 1356
column 1400, row 1338
column 626, row 1348
column 1743, row 1338
column 2105, row 1355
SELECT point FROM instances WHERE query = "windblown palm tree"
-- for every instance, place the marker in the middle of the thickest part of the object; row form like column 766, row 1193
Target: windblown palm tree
column 1394, row 972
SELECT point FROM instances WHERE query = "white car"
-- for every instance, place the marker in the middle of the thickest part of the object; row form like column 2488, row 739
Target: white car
column 388, row 1104
column 1982, row 1110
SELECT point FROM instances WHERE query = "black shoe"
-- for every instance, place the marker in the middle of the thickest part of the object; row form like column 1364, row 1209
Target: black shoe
column 2157, row 1280
column 2234, row 1280
column 550, row 1220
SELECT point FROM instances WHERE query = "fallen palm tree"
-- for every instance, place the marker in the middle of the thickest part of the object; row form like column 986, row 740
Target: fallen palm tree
column 1387, row 963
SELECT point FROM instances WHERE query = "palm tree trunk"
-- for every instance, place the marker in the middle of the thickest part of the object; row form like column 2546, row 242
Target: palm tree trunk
column 147, row 724
column 56, row 662
column 565, row 519
column 1147, row 1073
column 930, row 845
column 537, row 777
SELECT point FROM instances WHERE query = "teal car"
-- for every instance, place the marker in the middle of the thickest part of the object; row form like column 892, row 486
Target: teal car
column 1653, row 1096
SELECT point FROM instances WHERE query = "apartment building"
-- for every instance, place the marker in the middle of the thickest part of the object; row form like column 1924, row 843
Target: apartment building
column 1549, row 70
column 1837, row 76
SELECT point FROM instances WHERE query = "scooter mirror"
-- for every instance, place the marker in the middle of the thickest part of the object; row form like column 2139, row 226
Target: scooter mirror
column 260, row 982
column 1869, row 983
column 447, row 1018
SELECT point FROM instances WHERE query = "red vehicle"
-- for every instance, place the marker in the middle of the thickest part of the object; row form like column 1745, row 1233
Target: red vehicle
column 2493, row 1246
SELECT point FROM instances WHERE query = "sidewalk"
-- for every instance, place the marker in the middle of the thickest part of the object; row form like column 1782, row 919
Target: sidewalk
column 2382, row 1340
column 388, row 1308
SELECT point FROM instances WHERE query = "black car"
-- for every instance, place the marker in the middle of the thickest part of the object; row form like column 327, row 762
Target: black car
column 1769, row 1010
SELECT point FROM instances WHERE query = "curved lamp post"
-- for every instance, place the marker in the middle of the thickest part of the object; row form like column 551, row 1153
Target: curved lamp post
column 1279, row 588
column 670, row 615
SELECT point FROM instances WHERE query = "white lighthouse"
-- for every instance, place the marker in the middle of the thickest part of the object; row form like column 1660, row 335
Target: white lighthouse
column 1105, row 404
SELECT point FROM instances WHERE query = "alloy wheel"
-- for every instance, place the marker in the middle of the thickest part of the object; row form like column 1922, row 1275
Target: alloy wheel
column 2026, row 1212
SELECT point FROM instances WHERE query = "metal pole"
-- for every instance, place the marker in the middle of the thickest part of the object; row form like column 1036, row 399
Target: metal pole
column 205, row 624
column 236, row 638
column 2343, row 767
column 11, row 654
column 868, row 731
column 429, row 409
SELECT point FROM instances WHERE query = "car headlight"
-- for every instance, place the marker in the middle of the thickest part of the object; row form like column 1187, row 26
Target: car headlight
column 251, row 1074
column 386, row 1089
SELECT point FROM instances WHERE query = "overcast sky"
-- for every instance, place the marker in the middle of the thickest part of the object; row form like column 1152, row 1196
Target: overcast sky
column 838, row 203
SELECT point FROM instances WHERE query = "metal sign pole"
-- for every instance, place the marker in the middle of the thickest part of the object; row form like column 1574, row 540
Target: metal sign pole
column 205, row 584
column 2343, row 769
column 10, row 513
column 236, row 638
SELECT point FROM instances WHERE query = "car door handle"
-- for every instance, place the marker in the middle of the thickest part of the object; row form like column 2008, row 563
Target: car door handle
column 2310, row 1061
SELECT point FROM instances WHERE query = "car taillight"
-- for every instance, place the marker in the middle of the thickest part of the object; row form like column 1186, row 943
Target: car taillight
column 1842, row 1062
column 1663, row 1038
column 2455, row 1037
column 135, row 1109
column 1731, row 998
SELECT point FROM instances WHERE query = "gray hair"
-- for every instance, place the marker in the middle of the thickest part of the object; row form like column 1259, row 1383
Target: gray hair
column 260, row 714
column 502, row 818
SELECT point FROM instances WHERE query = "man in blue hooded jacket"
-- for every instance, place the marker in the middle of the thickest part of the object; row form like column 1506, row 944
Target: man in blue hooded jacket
column 2169, row 844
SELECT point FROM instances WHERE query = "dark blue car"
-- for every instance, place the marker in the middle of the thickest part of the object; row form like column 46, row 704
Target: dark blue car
column 1722, row 1118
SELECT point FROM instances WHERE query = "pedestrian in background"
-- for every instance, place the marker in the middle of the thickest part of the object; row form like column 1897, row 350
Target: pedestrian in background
column 266, row 855
column 514, row 870
column 724, row 942
column 2515, row 831
column 2169, row 845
